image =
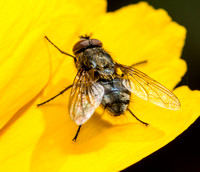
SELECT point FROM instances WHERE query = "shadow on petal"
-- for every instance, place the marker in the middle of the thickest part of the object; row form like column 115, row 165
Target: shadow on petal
column 55, row 145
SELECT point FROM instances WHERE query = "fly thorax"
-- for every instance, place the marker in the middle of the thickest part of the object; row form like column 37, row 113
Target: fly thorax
column 98, row 59
column 106, row 73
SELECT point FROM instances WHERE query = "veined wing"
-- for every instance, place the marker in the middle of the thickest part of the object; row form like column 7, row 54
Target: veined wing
column 86, row 95
column 148, row 89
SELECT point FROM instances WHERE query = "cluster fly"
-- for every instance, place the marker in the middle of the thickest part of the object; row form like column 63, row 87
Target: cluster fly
column 98, row 82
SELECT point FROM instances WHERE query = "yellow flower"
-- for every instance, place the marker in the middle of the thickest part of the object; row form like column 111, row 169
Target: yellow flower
column 40, row 139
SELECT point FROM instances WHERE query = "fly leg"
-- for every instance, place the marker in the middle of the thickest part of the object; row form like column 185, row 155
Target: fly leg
column 59, row 48
column 137, row 118
column 75, row 137
column 104, row 108
column 55, row 96
column 139, row 63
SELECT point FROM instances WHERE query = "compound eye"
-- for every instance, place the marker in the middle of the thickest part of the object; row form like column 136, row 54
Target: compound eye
column 96, row 42
column 80, row 45
column 86, row 43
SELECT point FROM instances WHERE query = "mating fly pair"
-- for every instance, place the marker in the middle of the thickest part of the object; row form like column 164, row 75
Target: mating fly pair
column 98, row 82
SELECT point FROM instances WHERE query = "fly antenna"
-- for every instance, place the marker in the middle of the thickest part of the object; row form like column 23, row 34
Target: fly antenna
column 59, row 48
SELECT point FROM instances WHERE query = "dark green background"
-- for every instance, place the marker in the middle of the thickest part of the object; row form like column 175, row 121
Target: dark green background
column 182, row 154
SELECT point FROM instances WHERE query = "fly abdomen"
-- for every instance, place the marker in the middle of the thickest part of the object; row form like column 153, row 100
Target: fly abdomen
column 116, row 98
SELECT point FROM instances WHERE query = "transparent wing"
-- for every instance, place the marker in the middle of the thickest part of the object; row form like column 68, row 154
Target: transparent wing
column 148, row 89
column 85, row 97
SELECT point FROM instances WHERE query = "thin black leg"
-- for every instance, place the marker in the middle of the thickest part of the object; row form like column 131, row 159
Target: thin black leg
column 142, row 62
column 59, row 48
column 137, row 118
column 55, row 96
column 75, row 137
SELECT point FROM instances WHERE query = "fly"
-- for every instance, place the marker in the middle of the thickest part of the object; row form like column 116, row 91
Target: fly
column 99, row 82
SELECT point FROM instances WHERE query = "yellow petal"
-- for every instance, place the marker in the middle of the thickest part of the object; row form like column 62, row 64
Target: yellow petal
column 24, row 63
column 42, row 138
column 139, row 32
column 159, row 40
column 21, row 76
column 65, row 29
